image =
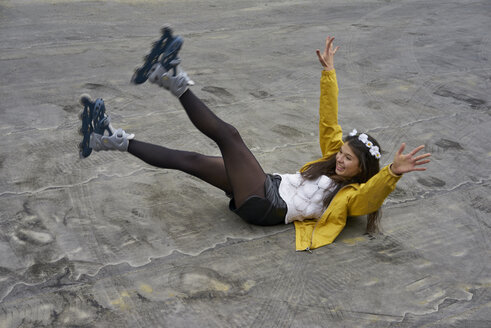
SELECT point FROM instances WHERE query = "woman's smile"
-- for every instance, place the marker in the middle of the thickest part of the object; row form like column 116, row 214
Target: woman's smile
column 339, row 168
column 347, row 164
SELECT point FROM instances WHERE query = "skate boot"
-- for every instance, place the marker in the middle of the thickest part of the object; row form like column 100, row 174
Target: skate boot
column 118, row 140
column 164, row 51
column 95, row 124
column 176, row 81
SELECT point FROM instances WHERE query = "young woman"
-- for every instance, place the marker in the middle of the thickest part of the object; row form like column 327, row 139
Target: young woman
column 345, row 181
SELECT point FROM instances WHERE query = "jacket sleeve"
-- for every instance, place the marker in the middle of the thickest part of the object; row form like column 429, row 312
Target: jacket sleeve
column 330, row 133
column 371, row 195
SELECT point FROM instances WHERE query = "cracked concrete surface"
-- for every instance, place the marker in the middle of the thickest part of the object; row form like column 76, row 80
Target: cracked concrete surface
column 111, row 242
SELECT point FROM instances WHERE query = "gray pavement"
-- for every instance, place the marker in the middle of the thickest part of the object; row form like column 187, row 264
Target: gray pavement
column 111, row 242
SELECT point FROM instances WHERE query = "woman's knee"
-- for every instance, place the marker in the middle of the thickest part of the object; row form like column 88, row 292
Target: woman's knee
column 230, row 134
column 193, row 161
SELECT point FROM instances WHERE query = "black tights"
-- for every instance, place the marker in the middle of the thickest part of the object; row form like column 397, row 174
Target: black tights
column 237, row 171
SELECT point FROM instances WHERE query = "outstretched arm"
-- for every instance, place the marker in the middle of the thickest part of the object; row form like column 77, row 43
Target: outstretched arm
column 330, row 133
column 408, row 163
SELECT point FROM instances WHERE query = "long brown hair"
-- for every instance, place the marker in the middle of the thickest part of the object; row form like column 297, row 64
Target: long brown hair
column 369, row 166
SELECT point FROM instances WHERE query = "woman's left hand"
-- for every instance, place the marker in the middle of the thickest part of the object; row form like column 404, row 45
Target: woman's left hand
column 326, row 58
column 408, row 163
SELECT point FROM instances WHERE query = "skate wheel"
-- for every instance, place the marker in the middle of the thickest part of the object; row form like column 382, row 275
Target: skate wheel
column 85, row 154
column 81, row 115
column 138, row 77
column 166, row 29
column 84, row 151
column 85, row 99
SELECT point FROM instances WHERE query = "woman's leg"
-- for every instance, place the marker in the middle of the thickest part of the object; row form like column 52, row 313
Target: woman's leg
column 207, row 168
column 245, row 175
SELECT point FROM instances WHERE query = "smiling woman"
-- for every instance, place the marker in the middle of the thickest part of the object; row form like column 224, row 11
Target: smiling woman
column 356, row 162
column 345, row 181
column 347, row 163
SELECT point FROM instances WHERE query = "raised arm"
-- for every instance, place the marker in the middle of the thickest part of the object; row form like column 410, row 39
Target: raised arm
column 330, row 133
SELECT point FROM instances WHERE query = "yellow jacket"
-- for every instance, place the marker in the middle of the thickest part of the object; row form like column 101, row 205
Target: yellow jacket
column 352, row 200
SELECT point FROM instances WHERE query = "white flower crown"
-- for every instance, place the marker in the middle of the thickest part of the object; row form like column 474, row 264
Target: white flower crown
column 374, row 150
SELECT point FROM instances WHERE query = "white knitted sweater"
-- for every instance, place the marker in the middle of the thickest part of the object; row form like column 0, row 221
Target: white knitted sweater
column 304, row 198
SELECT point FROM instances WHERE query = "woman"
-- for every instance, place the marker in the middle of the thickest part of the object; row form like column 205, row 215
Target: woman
column 345, row 181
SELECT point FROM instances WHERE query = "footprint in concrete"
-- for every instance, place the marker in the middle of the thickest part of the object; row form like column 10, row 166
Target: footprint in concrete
column 474, row 103
column 377, row 105
column 197, row 282
column 431, row 182
column 398, row 193
column 138, row 212
column 481, row 203
column 34, row 237
column 390, row 250
column 219, row 92
column 28, row 228
column 101, row 87
column 363, row 27
column 448, row 144
column 287, row 131
column 94, row 86
column 43, row 271
column 260, row 94
column 72, row 108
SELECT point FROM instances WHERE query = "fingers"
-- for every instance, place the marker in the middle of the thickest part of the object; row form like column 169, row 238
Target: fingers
column 422, row 162
column 401, row 149
column 326, row 48
column 329, row 47
column 420, row 157
column 329, row 42
column 415, row 150
column 321, row 59
column 417, row 168
column 326, row 57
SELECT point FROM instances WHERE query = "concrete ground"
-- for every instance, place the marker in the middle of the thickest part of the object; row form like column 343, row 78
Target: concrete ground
column 109, row 241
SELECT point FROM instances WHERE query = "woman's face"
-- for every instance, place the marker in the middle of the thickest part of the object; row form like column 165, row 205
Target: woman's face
column 347, row 164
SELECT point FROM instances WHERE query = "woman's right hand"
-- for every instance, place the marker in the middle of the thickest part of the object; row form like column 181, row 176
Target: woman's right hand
column 327, row 57
column 410, row 162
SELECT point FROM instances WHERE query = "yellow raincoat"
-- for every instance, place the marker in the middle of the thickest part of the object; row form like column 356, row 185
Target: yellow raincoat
column 352, row 200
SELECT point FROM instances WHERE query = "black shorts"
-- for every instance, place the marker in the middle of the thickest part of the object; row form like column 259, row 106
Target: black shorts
column 267, row 211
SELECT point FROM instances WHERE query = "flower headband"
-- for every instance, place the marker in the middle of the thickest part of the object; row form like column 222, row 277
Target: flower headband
column 374, row 151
